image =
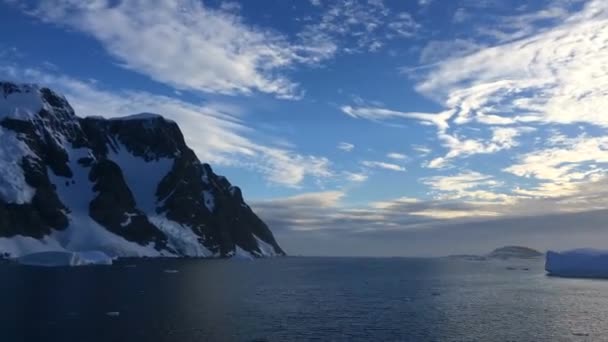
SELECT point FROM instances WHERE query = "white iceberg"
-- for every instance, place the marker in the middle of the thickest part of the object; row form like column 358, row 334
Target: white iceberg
column 587, row 263
column 64, row 258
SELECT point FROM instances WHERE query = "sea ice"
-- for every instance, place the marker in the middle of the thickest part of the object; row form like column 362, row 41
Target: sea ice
column 588, row 263
column 61, row 258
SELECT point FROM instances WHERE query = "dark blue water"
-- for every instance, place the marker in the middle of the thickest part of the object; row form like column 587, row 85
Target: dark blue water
column 301, row 299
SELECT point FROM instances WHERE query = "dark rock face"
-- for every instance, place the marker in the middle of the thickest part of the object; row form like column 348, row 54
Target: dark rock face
column 115, row 208
column 206, row 209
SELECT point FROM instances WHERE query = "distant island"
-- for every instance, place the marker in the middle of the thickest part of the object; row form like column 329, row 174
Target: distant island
column 518, row 252
column 502, row 253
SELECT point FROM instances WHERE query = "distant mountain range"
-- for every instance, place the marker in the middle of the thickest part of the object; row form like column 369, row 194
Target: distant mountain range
column 128, row 186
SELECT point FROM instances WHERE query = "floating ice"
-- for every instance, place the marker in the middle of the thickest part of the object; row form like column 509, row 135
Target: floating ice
column 588, row 263
column 60, row 258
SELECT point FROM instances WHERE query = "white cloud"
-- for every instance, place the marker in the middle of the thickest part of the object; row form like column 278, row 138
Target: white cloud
column 347, row 147
column 460, row 15
column 383, row 165
column 555, row 76
column 468, row 185
column 422, row 150
column 381, row 114
column 230, row 6
column 311, row 199
column 562, row 168
column 437, row 51
column 191, row 46
column 357, row 25
column 404, row 25
column 356, row 177
column 397, row 156
column 185, row 44
column 501, row 138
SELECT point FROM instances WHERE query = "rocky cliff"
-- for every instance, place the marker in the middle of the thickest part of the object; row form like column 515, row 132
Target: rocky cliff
column 127, row 186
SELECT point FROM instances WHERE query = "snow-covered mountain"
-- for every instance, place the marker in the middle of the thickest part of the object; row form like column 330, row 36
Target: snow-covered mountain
column 127, row 186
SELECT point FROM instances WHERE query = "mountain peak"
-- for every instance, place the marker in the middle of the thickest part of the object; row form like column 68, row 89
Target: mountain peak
column 29, row 101
column 126, row 186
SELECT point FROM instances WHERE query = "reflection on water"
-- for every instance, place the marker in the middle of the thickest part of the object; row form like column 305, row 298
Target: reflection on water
column 293, row 299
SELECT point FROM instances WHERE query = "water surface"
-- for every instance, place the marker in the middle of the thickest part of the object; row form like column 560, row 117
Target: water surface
column 301, row 299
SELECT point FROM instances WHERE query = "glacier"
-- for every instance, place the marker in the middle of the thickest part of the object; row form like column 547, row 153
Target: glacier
column 65, row 258
column 577, row 263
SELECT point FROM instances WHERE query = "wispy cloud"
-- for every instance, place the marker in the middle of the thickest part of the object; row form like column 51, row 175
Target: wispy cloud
column 561, row 169
column 347, row 147
column 185, row 44
column 501, row 137
column 397, row 156
column 382, row 114
column 468, row 185
column 422, row 150
column 436, row 51
column 383, row 165
column 356, row 177
column 353, row 26
column 541, row 74
column 555, row 76
column 191, row 46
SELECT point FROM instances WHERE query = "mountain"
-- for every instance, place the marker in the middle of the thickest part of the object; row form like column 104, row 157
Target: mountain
column 128, row 186
column 509, row 252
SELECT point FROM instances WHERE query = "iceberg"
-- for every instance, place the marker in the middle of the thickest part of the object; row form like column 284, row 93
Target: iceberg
column 65, row 258
column 578, row 263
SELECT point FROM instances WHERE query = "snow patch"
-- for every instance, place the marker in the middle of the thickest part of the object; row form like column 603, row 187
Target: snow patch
column 209, row 200
column 141, row 176
column 180, row 237
column 589, row 263
column 83, row 233
column 64, row 258
column 21, row 105
column 240, row 253
column 266, row 248
column 127, row 220
column 19, row 245
column 205, row 176
column 13, row 187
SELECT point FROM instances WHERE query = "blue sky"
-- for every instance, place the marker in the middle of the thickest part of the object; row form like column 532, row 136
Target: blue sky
column 355, row 126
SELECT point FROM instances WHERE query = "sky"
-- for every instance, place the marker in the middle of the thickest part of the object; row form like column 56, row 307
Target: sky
column 357, row 127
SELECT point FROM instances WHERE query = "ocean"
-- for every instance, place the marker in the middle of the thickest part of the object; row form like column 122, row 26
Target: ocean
column 301, row 299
